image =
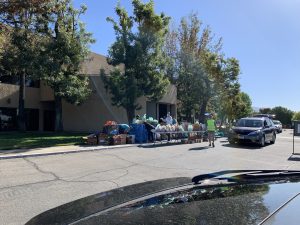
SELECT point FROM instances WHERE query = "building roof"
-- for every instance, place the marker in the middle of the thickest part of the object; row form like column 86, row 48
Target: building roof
column 95, row 63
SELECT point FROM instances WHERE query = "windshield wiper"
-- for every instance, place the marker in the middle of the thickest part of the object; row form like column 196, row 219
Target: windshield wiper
column 246, row 175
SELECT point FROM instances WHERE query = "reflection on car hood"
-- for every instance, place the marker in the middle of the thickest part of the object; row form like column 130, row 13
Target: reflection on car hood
column 233, row 203
column 81, row 208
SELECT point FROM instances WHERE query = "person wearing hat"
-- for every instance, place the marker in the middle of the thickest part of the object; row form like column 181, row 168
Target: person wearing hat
column 211, row 129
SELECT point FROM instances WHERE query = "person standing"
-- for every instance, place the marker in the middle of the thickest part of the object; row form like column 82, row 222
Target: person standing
column 169, row 119
column 211, row 129
column 149, row 128
column 137, row 117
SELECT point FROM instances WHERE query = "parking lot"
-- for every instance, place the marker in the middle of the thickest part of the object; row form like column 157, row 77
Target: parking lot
column 29, row 186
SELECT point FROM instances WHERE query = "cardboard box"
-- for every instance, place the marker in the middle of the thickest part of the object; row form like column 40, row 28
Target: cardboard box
column 130, row 139
column 92, row 141
column 184, row 141
column 123, row 139
column 117, row 140
column 103, row 139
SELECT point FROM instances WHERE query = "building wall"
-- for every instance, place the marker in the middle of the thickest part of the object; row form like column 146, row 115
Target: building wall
column 92, row 114
column 171, row 96
column 9, row 98
column 151, row 108
column 46, row 93
column 9, row 95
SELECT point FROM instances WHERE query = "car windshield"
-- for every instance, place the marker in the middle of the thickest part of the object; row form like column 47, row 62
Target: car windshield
column 249, row 123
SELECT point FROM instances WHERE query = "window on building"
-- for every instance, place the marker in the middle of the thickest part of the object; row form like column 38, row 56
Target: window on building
column 8, row 119
column 15, row 80
column 9, row 79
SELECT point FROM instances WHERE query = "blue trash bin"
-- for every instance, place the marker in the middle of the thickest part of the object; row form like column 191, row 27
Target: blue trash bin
column 140, row 132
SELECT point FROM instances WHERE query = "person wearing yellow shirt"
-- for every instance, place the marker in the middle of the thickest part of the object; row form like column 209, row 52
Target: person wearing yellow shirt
column 211, row 129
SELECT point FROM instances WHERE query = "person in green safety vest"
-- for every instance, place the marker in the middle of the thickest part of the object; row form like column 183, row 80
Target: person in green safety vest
column 211, row 129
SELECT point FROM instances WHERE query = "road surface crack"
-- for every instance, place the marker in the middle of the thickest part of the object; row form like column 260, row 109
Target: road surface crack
column 143, row 163
column 42, row 171
column 55, row 177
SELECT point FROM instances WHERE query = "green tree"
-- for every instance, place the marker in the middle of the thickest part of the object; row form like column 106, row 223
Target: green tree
column 188, row 50
column 2, row 39
column 206, row 80
column 265, row 110
column 138, row 47
column 65, row 49
column 224, row 98
column 296, row 116
column 246, row 101
column 242, row 106
column 283, row 114
column 4, row 42
column 19, row 56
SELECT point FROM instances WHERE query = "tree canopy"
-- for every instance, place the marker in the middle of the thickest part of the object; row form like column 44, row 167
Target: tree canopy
column 47, row 42
column 283, row 114
column 206, row 80
column 296, row 116
column 66, row 47
column 21, row 21
column 138, row 47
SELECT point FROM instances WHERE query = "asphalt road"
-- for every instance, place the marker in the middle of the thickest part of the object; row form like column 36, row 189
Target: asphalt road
column 29, row 186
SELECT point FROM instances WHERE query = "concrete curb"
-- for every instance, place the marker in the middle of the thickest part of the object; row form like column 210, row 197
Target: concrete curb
column 88, row 149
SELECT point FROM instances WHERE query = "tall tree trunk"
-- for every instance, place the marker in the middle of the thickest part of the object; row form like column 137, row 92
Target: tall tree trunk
column 202, row 111
column 21, row 110
column 58, row 114
column 130, row 114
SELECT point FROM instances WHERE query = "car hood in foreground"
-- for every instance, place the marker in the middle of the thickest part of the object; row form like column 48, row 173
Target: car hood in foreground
column 233, row 203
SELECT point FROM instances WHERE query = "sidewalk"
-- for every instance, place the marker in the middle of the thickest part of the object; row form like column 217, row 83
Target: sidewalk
column 20, row 153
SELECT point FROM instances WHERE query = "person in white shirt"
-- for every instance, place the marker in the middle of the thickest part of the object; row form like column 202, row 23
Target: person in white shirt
column 169, row 119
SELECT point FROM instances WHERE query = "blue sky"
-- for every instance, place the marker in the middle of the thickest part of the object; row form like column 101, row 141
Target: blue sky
column 264, row 35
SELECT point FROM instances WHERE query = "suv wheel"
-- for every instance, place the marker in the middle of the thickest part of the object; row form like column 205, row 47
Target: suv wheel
column 231, row 141
column 262, row 141
column 273, row 138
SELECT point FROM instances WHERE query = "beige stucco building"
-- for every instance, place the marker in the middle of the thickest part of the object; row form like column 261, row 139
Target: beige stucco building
column 90, row 116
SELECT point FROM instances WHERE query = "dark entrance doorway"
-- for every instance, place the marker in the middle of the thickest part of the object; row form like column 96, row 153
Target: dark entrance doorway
column 32, row 119
column 162, row 110
column 49, row 120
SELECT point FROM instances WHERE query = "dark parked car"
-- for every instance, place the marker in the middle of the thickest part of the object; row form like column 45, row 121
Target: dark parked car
column 229, row 197
column 254, row 130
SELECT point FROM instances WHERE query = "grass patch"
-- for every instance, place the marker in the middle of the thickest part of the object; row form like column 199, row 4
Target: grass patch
column 27, row 140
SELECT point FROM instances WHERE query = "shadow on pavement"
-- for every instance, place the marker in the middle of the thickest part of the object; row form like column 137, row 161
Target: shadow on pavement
column 199, row 148
column 242, row 146
column 159, row 145
column 294, row 157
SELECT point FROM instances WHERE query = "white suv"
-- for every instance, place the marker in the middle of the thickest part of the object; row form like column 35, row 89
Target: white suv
column 278, row 125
